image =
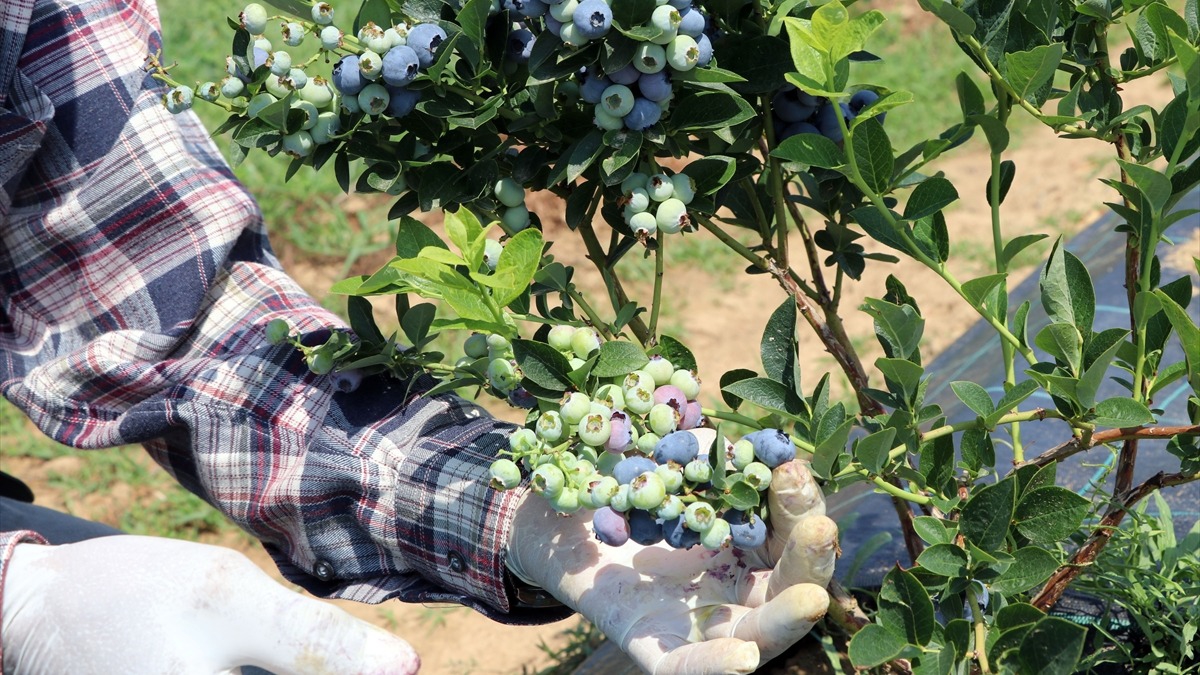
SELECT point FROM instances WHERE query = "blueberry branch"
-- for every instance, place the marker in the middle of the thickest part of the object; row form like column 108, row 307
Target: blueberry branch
column 656, row 302
column 1077, row 445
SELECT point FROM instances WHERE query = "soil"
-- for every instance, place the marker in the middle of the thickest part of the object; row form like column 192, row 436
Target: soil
column 1057, row 188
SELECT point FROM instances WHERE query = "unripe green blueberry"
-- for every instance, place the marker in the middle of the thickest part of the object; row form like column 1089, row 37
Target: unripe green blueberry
column 550, row 426
column 699, row 516
column 322, row 13
column 310, row 113
column 281, row 63
column 374, row 99
column 640, row 378
column 571, row 35
column 639, row 200
column 588, row 454
column 258, row 103
column 646, row 443
column 684, row 188
column 758, row 475
column 608, row 461
column 672, row 508
column 232, row 87
column 208, row 91
column 574, row 407
column 254, row 18
column 602, row 490
column 279, row 87
column 717, row 536
column 683, row 53
column 293, row 34
column 566, row 501
column 317, row 92
column 178, row 99
column 611, row 395
column 620, row 501
column 649, row 58
column 564, row 10
column 647, row 491
column 606, row 121
column 672, row 216
column 639, row 399
column 502, row 375
column 397, row 35
column 498, row 345
column 741, row 454
column 581, row 472
column 559, row 337
column 370, row 65
column 576, row 363
column 617, row 100
column 585, row 341
column 299, row 144
column 594, row 429
column 522, row 441
column 505, row 474
column 667, row 19
column 475, row 346
column 548, row 480
column 327, row 126
column 672, row 477
column 686, row 380
column 278, row 331
column 516, row 218
column 509, row 192
column 320, row 363
column 643, row 223
column 660, row 187
column 491, row 253
column 263, row 43
column 660, row 369
column 663, row 419
column 636, row 180
column 331, row 38
column 698, row 471
column 349, row 104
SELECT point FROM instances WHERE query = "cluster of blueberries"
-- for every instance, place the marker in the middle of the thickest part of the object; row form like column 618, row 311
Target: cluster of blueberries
column 503, row 375
column 375, row 81
column 795, row 111
column 657, row 203
column 626, row 452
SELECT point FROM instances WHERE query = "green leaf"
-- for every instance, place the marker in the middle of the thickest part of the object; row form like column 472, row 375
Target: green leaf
column 1050, row 514
column 1189, row 335
column 1008, row 171
column 1063, row 342
column 977, row 290
column 903, row 377
column 974, row 396
column 630, row 13
column 831, row 446
column 959, row 21
column 436, row 280
column 766, row 393
column 1152, row 184
column 542, row 364
column 970, row 98
column 779, row 346
column 1010, row 400
column 1152, row 31
column 945, row 560
column 1030, row 72
column 618, row 357
column 1066, row 287
column 517, row 264
column 987, row 514
column 905, row 607
column 1093, row 377
column 709, row 110
column 899, row 325
column 674, row 351
column 417, row 321
column 932, row 530
column 1032, row 566
column 729, row 377
column 412, row 235
column 977, row 449
column 872, row 451
column 583, row 153
column 812, row 150
column 851, row 36
column 742, row 496
column 1121, row 412
column 464, row 230
column 1018, row 244
column 874, row 645
column 1052, row 647
column 930, row 196
column 873, row 153
column 711, row 173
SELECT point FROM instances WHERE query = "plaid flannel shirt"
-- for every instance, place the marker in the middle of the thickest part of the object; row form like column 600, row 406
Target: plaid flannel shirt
column 136, row 282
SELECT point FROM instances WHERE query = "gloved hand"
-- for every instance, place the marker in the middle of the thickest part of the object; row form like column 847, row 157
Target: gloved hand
column 129, row 604
column 691, row 611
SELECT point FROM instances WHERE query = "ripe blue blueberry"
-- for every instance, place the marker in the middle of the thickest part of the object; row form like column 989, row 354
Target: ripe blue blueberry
column 827, row 119
column 610, row 527
column 402, row 101
column 626, row 75
column 655, row 86
column 772, row 447
column 593, row 18
column 691, row 22
column 261, row 56
column 704, row 51
column 787, row 106
column 746, row 530
column 347, row 77
column 520, row 45
column 632, row 467
column 677, row 534
column 552, row 24
column 679, row 447
column 521, row 398
column 425, row 39
column 862, row 99
column 593, row 88
column 645, row 114
column 797, row 128
column 644, row 528
column 400, row 66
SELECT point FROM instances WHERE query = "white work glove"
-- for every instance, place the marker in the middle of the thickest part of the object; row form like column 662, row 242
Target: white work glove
column 684, row 612
column 129, row 604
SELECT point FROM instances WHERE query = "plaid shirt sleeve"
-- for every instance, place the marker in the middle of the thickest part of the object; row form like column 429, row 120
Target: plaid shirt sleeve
column 137, row 282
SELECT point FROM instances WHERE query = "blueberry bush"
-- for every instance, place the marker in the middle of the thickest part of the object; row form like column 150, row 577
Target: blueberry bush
column 464, row 107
